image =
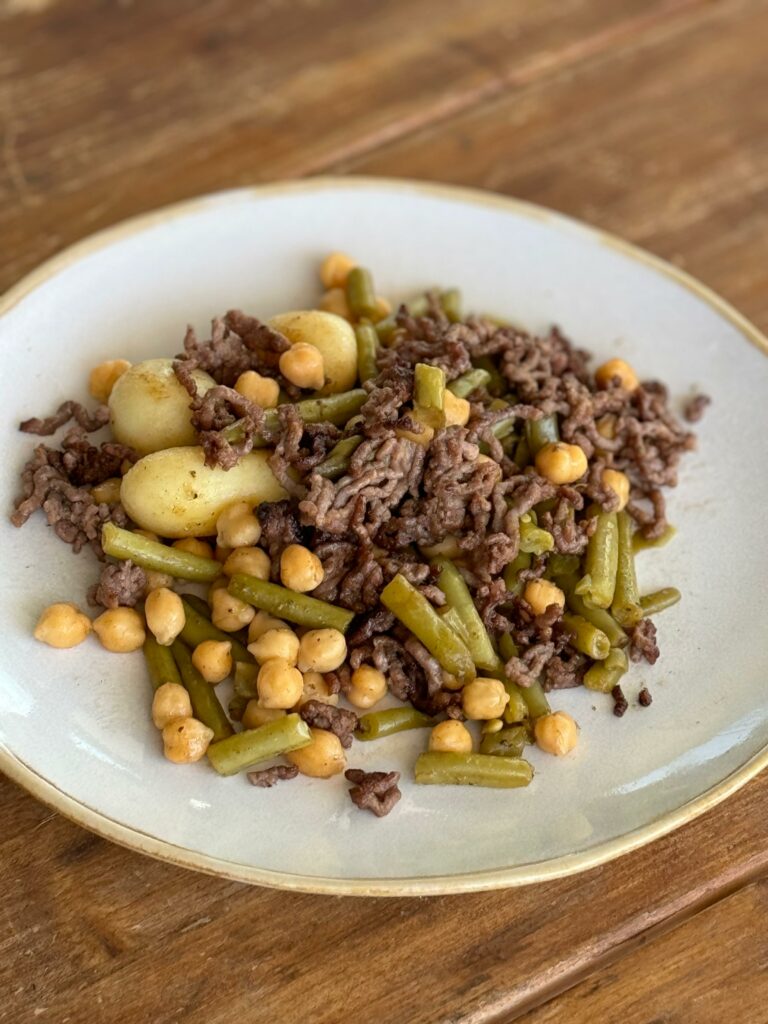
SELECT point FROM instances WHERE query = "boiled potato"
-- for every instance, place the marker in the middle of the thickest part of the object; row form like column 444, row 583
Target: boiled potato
column 174, row 494
column 332, row 335
column 149, row 409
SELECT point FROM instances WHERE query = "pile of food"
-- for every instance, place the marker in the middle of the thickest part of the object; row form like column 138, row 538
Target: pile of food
column 434, row 512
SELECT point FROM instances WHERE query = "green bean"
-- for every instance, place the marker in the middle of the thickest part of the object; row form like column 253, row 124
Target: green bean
column 497, row 385
column 625, row 607
column 522, row 455
column 415, row 612
column 598, row 584
column 458, row 597
column 429, row 393
column 205, row 703
column 288, row 604
column 385, row 329
column 378, row 724
column 512, row 571
column 508, row 742
column 418, row 306
column 160, row 664
column 450, row 300
column 597, row 616
column 469, row 382
column 441, row 768
column 517, row 709
column 540, row 432
column 452, row 618
column 361, row 295
column 507, row 647
column 244, row 689
column 604, row 675
column 336, row 461
column 533, row 695
column 641, row 543
column 367, row 349
column 336, row 409
column 199, row 604
column 198, row 627
column 151, row 554
column 533, row 540
column 561, row 565
column 586, row 637
column 656, row 602
column 251, row 747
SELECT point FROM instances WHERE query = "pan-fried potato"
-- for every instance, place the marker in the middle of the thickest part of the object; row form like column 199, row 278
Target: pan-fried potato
column 174, row 494
column 332, row 335
column 149, row 409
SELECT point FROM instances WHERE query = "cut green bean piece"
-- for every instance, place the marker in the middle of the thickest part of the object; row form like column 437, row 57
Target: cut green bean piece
column 441, row 768
column 586, row 637
column 251, row 747
column 245, row 689
column 540, row 432
column 385, row 329
column 534, row 696
column 598, row 584
column 508, row 742
column 561, row 565
column 418, row 306
column 378, row 724
column 534, row 540
column 336, row 463
column 507, row 647
column 361, row 295
column 457, row 594
column 497, row 386
column 517, row 709
column 450, row 300
column 641, row 543
column 512, row 571
column 367, row 350
column 656, row 602
column 336, row 409
column 199, row 604
column 469, row 382
column 597, row 616
column 452, row 618
column 626, row 598
column 522, row 456
column 417, row 614
column 205, row 703
column 429, row 393
column 288, row 604
column 151, row 554
column 160, row 664
column 198, row 627
column 604, row 675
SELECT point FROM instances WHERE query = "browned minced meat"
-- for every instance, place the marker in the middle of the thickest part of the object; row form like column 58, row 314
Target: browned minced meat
column 642, row 642
column 279, row 528
column 67, row 411
column 238, row 343
column 339, row 721
column 119, row 584
column 267, row 777
column 374, row 791
column 620, row 704
column 695, row 408
column 644, row 698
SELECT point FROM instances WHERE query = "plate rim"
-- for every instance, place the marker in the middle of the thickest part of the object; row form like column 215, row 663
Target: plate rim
column 134, row 839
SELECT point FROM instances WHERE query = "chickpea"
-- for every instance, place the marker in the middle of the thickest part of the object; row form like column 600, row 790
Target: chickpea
column 165, row 616
column 618, row 482
column 107, row 493
column 303, row 366
column 252, row 561
column 62, row 625
column 322, row 757
column 423, row 436
column 170, row 701
column 220, row 583
column 557, row 733
column 484, row 698
column 335, row 301
column 540, row 594
column 213, row 660
column 450, row 682
column 229, row 613
column 316, row 688
column 276, row 643
column 617, row 368
column 194, row 546
column 156, row 580
column 263, row 391
column 561, row 463
column 237, row 526
column 448, row 547
column 221, row 554
column 383, row 309
column 368, row 687
column 451, row 736
column 322, row 650
column 186, row 740
column 300, row 569
column 120, row 630
column 261, row 623
column 103, row 378
column 456, row 410
column 493, row 725
column 606, row 426
column 255, row 715
column 280, row 685
column 335, row 269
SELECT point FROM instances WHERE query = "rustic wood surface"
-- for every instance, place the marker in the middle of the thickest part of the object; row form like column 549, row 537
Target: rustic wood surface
column 647, row 117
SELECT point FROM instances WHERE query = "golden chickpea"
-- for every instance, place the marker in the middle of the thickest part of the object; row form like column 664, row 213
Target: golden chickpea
column 237, row 526
column 367, row 688
column 484, row 698
column 617, row 368
column 280, row 685
column 335, row 269
column 322, row 757
column 456, row 410
column 156, row 580
column 300, row 569
column 62, row 625
column 557, row 733
column 335, row 301
column 322, row 650
column 561, row 463
column 194, row 546
column 120, row 630
column 222, row 553
column 170, row 701
column 220, row 583
column 422, row 437
column 263, row 391
column 450, row 682
column 213, row 660
column 540, row 594
column 316, row 688
column 107, row 493
column 606, row 426
column 261, row 623
column 302, row 364
column 165, row 616
column 229, row 613
column 255, row 715
column 252, row 561
column 382, row 310
column 276, row 643
column 103, row 378
column 493, row 725
column 451, row 736
column 448, row 547
column 186, row 740
column 618, row 482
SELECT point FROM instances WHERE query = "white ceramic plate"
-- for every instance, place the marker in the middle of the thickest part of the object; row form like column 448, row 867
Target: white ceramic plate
column 74, row 725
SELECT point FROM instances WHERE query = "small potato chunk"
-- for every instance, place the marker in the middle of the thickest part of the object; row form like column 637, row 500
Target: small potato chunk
column 332, row 335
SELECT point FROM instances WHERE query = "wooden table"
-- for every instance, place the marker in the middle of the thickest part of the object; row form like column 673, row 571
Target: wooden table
column 646, row 117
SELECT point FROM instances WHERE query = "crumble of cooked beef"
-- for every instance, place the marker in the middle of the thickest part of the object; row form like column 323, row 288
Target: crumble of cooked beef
column 88, row 421
column 121, row 583
column 339, row 721
column 268, row 777
column 374, row 791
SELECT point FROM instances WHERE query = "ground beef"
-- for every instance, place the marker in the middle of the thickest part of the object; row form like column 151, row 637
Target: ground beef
column 644, row 698
column 238, row 343
column 121, row 583
column 380, row 620
column 84, row 463
column 620, row 704
column 339, row 721
column 695, row 408
column 267, row 777
column 67, row 411
column 374, row 791
column 279, row 528
column 388, row 394
column 299, row 447
column 642, row 642
column 564, row 671
column 425, row 340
